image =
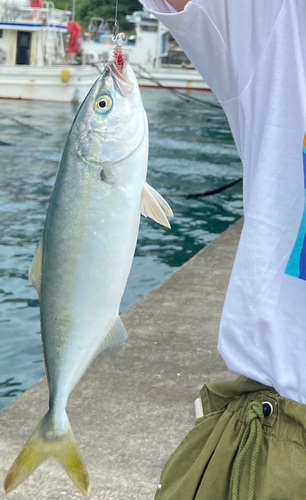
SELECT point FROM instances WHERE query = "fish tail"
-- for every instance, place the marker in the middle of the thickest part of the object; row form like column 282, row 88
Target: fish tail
column 43, row 443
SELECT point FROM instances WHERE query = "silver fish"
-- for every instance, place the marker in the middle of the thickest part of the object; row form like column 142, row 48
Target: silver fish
column 82, row 263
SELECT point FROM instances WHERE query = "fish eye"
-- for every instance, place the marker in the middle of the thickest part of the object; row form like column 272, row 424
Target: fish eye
column 104, row 104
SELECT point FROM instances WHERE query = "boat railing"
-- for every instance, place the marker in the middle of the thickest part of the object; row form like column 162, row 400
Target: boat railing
column 53, row 14
column 53, row 40
column 48, row 14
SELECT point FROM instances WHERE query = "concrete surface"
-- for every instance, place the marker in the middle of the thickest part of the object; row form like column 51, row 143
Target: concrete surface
column 135, row 402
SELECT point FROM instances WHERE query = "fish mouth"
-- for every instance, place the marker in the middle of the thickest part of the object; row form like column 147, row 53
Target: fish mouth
column 121, row 81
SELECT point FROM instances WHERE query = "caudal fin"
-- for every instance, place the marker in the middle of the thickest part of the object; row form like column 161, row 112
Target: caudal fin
column 44, row 443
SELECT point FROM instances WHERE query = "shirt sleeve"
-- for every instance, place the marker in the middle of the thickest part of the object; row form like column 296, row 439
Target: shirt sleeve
column 223, row 38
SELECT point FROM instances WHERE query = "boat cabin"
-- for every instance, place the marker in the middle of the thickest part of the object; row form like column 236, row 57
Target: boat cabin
column 31, row 32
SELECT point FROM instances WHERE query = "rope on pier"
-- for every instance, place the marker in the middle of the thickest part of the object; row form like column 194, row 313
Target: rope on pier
column 213, row 191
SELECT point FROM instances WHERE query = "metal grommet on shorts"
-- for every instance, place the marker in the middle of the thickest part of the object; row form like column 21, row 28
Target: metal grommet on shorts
column 267, row 408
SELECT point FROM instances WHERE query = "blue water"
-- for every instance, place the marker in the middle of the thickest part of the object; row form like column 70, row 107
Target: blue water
column 191, row 151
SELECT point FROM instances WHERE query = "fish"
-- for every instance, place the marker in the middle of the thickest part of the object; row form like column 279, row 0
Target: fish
column 84, row 257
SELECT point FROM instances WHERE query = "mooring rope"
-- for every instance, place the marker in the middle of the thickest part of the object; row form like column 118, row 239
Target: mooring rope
column 24, row 124
column 177, row 92
column 212, row 191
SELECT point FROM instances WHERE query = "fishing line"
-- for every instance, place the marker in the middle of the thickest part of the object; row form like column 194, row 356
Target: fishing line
column 115, row 27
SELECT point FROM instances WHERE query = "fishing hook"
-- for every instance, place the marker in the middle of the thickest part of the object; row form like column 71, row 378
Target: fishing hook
column 117, row 37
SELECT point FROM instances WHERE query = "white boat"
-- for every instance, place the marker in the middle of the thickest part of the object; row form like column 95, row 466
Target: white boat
column 147, row 52
column 33, row 60
column 34, row 63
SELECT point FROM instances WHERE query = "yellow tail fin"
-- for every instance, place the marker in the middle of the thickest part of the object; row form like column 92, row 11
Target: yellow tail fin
column 44, row 443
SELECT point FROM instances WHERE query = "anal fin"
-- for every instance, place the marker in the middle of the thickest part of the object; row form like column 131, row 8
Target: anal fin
column 116, row 335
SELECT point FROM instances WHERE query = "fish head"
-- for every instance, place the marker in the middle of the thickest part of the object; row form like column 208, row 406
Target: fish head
column 111, row 123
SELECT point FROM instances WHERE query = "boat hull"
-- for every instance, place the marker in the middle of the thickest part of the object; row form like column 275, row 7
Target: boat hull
column 45, row 83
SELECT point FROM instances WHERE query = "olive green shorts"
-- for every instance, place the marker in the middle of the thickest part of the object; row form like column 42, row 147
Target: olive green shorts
column 250, row 443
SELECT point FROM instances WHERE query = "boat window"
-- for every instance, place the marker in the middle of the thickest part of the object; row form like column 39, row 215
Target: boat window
column 106, row 38
column 148, row 28
column 1, row 33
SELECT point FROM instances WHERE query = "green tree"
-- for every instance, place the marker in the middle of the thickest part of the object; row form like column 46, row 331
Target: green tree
column 86, row 9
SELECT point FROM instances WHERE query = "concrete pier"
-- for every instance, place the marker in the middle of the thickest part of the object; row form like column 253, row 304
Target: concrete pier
column 135, row 402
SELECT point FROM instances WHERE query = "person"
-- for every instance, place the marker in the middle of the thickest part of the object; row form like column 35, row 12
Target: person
column 251, row 441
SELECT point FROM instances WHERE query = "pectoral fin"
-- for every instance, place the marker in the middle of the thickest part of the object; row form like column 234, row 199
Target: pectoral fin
column 162, row 202
column 35, row 271
column 154, row 206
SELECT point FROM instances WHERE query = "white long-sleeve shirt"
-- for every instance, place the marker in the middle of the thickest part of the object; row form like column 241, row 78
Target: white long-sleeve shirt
column 252, row 53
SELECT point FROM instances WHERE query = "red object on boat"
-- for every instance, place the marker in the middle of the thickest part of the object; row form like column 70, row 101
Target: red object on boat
column 118, row 57
column 74, row 30
column 36, row 3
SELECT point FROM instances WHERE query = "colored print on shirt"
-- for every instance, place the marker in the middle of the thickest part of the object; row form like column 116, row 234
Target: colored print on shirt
column 297, row 263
